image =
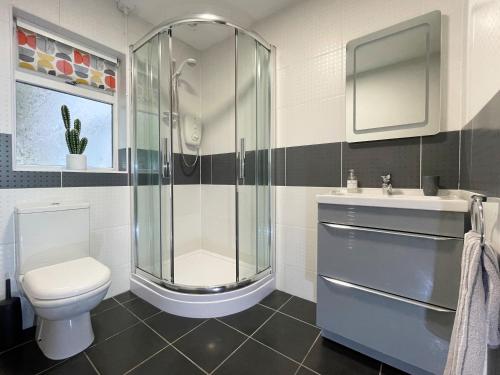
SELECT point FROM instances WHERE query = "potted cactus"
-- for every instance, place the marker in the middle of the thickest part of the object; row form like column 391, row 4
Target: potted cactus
column 75, row 159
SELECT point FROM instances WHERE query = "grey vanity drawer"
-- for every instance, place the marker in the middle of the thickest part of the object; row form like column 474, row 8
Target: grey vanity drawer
column 408, row 331
column 421, row 267
column 451, row 224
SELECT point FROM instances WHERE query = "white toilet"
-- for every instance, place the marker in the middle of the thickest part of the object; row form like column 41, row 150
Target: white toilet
column 57, row 275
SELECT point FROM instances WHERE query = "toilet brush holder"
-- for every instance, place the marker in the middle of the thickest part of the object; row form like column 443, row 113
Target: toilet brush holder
column 10, row 319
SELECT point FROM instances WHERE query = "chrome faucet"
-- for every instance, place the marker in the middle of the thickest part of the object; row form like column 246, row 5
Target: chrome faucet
column 386, row 184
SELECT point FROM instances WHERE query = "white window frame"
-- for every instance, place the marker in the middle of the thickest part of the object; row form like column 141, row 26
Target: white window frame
column 53, row 83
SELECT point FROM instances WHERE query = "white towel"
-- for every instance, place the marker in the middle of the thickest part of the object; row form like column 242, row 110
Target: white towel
column 478, row 311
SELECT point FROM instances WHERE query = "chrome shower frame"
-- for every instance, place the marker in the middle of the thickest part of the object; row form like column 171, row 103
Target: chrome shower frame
column 166, row 27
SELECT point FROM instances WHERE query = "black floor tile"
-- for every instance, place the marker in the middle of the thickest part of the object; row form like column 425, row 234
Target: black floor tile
column 78, row 365
column 125, row 297
column 254, row 358
column 168, row 361
column 288, row 336
column 171, row 327
column 389, row 370
column 301, row 309
column 126, row 350
column 25, row 336
column 249, row 320
column 141, row 308
column 328, row 357
column 276, row 299
column 110, row 322
column 304, row 371
column 103, row 306
column 25, row 359
column 209, row 344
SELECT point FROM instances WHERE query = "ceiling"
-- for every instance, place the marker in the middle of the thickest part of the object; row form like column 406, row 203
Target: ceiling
column 241, row 12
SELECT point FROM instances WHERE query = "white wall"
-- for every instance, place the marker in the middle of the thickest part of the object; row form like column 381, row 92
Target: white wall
column 218, row 83
column 110, row 208
column 310, row 39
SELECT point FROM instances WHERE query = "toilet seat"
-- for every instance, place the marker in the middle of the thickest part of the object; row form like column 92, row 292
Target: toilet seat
column 54, row 303
column 69, row 280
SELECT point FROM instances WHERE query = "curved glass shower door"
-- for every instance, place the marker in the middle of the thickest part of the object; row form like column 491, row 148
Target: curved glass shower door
column 202, row 157
column 147, row 182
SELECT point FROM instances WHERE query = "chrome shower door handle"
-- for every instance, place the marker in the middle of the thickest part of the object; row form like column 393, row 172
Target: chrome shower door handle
column 242, row 160
column 165, row 168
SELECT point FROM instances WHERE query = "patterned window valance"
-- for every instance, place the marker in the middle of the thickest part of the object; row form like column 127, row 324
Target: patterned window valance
column 42, row 54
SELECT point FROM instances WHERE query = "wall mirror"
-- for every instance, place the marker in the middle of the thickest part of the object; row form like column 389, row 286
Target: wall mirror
column 393, row 82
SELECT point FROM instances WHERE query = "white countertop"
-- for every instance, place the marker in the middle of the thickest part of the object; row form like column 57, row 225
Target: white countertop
column 412, row 199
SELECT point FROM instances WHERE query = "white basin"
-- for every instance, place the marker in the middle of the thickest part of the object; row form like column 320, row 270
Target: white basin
column 406, row 199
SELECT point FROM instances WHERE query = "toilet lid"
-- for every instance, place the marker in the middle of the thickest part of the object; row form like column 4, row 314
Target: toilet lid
column 65, row 280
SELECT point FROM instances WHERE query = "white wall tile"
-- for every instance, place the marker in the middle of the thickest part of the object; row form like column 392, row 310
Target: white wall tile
column 296, row 205
column 97, row 20
column 7, row 267
column 218, row 219
column 111, row 246
column 300, row 282
column 217, row 106
column 317, row 121
column 136, row 29
column 5, row 78
column 483, row 52
column 45, row 9
column 300, row 248
column 121, row 280
column 360, row 17
column 308, row 29
column 314, row 79
column 5, row 10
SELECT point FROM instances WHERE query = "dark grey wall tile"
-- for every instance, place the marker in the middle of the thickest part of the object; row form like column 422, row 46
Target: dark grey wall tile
column 313, row 165
column 149, row 179
column 10, row 179
column 370, row 160
column 440, row 158
column 83, row 179
column 278, row 167
column 250, row 165
column 480, row 154
column 224, row 169
column 485, row 174
column 466, row 157
column 206, row 169
column 184, row 175
column 263, row 168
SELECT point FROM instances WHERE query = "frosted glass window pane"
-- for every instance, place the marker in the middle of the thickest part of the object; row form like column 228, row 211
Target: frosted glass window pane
column 40, row 131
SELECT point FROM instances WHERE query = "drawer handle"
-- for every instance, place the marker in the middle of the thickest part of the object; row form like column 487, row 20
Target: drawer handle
column 403, row 234
column 387, row 295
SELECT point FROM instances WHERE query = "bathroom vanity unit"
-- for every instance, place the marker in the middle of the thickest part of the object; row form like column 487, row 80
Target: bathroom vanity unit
column 388, row 275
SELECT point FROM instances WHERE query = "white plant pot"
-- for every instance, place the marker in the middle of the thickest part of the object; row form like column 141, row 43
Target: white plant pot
column 76, row 162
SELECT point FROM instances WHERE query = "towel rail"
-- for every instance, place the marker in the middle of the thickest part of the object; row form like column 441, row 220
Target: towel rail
column 477, row 215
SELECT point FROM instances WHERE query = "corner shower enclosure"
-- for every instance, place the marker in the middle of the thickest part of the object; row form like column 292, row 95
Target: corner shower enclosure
column 201, row 96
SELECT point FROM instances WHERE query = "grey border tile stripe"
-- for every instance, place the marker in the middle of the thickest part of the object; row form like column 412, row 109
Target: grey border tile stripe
column 10, row 179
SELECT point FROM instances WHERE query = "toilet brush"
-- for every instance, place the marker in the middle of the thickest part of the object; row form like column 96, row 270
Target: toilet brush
column 10, row 319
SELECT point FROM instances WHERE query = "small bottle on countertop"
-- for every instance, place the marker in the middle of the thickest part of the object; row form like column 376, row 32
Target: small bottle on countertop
column 352, row 182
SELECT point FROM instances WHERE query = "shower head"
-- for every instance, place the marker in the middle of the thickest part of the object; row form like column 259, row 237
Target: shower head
column 189, row 61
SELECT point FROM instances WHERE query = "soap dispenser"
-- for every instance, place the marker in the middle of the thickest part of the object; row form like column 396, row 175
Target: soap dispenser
column 352, row 182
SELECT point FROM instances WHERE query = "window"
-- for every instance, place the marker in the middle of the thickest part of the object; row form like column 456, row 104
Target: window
column 50, row 73
column 40, row 132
